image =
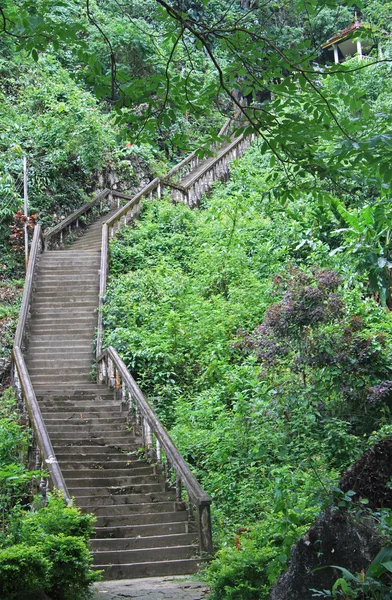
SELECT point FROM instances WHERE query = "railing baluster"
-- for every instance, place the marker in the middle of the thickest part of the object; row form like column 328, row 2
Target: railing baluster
column 158, row 450
column 178, row 489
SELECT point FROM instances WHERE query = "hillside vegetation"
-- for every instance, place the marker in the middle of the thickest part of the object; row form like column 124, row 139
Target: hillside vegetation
column 259, row 325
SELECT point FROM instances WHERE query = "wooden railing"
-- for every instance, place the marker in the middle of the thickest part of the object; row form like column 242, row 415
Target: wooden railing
column 218, row 169
column 192, row 161
column 159, row 447
column 55, row 238
column 45, row 456
column 124, row 216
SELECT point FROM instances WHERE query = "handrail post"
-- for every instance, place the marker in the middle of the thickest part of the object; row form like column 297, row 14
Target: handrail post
column 204, row 527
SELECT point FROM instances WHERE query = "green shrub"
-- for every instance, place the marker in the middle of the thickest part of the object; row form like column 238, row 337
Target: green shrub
column 23, row 572
column 57, row 536
column 70, row 573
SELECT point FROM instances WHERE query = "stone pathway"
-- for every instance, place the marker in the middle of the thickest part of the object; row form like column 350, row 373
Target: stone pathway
column 153, row 588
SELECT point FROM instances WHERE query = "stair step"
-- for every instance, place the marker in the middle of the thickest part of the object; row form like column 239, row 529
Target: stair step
column 88, row 502
column 83, row 368
column 94, row 390
column 102, row 465
column 65, row 412
column 116, row 557
column 112, row 436
column 133, row 544
column 134, row 512
column 99, row 473
column 94, row 430
column 72, row 445
column 114, row 481
column 149, row 569
column 141, row 524
column 71, row 390
column 94, row 454
column 139, row 488
column 80, row 420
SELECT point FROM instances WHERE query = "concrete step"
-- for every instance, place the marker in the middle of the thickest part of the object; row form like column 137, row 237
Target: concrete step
column 45, row 338
column 93, row 453
column 141, row 488
column 64, row 302
column 133, row 544
column 81, row 421
column 59, row 363
column 93, row 430
column 102, row 481
column 112, row 462
column 98, row 472
column 83, row 368
column 82, row 314
column 108, row 436
column 80, row 287
column 94, row 390
column 132, row 511
column 90, row 264
column 66, row 412
column 96, row 443
column 77, row 402
column 149, row 569
column 59, row 378
column 141, row 523
column 108, row 500
column 56, row 294
column 156, row 554
column 63, row 354
column 70, row 390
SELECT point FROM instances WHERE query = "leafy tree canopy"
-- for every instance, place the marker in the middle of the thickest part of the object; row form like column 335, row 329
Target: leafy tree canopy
column 157, row 59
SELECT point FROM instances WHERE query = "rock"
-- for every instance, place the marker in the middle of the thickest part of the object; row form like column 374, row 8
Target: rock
column 335, row 539
column 5, row 368
column 369, row 476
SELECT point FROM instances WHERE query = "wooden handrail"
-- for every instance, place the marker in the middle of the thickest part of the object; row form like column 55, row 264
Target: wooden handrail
column 151, row 425
column 28, row 287
column 211, row 165
column 133, row 200
column 38, row 425
column 103, row 276
column 21, row 378
column 191, row 156
column 193, row 487
column 225, row 127
column 75, row 215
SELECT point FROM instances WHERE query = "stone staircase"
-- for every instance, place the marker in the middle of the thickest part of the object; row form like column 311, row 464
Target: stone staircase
column 141, row 530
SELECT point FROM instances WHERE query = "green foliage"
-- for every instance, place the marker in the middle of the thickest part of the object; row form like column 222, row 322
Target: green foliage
column 368, row 237
column 57, row 560
column 14, row 442
column 23, row 572
column 372, row 585
column 43, row 550
column 267, row 446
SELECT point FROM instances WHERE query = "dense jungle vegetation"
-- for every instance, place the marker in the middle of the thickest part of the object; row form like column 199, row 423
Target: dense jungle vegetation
column 258, row 326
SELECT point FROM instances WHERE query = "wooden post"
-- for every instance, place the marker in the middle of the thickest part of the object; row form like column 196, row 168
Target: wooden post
column 204, row 528
column 359, row 49
column 26, row 211
column 336, row 54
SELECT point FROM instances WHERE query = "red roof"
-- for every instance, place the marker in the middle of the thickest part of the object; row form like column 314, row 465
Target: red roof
column 343, row 34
